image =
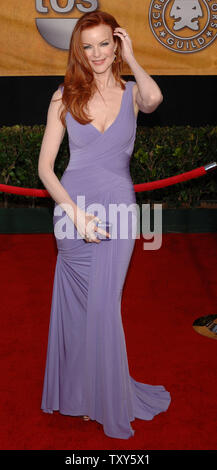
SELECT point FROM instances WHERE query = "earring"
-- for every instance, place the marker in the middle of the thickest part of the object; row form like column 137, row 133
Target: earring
column 115, row 57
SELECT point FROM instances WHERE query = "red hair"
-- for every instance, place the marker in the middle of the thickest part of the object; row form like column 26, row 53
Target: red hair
column 79, row 84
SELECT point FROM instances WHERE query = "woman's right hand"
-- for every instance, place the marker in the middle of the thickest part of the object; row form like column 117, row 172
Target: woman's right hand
column 86, row 226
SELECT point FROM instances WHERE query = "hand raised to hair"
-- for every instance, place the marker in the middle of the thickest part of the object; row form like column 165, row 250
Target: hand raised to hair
column 127, row 48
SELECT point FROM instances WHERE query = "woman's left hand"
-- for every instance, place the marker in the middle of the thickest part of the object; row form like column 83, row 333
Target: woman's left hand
column 127, row 48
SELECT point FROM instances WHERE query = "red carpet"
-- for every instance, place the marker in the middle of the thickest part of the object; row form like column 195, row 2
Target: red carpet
column 165, row 291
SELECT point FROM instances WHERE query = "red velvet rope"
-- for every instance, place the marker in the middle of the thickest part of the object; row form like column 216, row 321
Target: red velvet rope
column 170, row 181
column 137, row 187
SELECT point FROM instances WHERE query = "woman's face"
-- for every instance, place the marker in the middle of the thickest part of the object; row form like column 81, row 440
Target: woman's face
column 99, row 46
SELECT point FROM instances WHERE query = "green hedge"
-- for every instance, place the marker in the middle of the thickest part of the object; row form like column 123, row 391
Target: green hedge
column 159, row 152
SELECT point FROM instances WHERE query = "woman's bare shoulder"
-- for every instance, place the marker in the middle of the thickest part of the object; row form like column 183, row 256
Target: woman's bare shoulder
column 57, row 94
column 56, row 100
column 56, row 104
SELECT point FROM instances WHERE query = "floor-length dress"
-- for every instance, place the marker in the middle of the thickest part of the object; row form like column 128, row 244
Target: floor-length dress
column 86, row 369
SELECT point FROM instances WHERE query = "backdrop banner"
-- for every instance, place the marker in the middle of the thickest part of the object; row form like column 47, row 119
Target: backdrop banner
column 169, row 37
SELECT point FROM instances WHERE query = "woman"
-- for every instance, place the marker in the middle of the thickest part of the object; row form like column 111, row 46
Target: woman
column 86, row 367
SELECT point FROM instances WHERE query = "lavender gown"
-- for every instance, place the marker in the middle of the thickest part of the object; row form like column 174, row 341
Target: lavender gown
column 86, row 369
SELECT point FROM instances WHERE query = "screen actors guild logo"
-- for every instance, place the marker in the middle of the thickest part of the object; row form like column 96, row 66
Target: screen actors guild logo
column 184, row 26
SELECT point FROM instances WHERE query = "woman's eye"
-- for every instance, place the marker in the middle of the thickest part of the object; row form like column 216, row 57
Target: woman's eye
column 104, row 44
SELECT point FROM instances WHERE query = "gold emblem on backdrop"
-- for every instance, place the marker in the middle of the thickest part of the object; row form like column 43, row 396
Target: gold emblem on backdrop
column 184, row 26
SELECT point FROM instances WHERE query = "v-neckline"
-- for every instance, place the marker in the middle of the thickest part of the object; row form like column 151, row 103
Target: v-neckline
column 121, row 106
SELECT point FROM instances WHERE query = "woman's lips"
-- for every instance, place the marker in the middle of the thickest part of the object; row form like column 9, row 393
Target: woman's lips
column 98, row 62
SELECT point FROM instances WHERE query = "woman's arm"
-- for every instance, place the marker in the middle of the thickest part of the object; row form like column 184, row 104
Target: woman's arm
column 148, row 95
column 53, row 136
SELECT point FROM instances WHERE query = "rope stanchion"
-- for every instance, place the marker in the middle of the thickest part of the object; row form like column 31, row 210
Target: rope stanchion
column 137, row 187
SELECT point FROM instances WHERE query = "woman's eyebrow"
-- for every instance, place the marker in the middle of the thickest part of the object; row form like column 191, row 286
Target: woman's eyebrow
column 99, row 42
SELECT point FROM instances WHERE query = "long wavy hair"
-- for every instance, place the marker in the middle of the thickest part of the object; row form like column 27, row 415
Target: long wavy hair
column 79, row 83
